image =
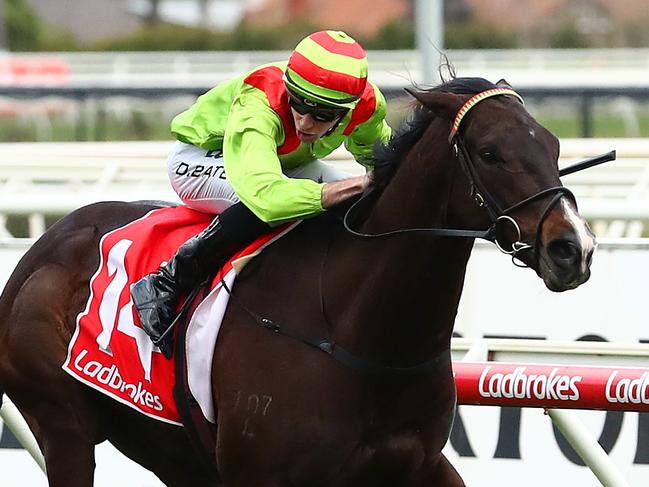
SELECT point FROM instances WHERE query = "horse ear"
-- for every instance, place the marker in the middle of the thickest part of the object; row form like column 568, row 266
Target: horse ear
column 502, row 83
column 442, row 104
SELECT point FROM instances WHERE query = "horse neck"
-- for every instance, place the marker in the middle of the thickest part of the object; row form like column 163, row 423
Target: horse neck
column 406, row 288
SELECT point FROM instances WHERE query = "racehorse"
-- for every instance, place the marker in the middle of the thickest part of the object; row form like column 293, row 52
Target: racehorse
column 351, row 366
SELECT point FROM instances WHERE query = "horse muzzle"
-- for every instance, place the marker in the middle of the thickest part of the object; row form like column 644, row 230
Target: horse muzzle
column 564, row 262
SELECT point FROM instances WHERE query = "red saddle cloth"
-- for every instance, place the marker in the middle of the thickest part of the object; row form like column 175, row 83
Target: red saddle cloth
column 109, row 350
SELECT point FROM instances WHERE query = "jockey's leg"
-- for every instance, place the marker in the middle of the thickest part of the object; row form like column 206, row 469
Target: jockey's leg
column 199, row 179
column 156, row 295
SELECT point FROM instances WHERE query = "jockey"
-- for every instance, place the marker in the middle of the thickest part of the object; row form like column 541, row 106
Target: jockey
column 249, row 149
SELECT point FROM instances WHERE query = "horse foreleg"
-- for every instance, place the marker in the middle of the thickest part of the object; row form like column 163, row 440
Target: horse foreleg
column 440, row 473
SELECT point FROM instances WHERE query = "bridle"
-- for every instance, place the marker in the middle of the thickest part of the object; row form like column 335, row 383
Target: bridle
column 501, row 219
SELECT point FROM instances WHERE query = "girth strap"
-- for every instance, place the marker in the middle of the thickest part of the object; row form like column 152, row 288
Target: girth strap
column 347, row 358
column 340, row 354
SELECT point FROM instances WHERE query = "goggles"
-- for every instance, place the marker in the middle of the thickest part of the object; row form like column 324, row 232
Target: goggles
column 319, row 113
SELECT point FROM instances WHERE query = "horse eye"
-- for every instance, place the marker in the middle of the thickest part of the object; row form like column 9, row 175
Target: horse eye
column 489, row 156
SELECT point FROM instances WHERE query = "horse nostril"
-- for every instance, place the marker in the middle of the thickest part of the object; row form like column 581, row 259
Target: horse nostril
column 564, row 251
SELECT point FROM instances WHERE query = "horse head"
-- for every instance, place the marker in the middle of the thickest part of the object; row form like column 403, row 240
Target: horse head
column 508, row 185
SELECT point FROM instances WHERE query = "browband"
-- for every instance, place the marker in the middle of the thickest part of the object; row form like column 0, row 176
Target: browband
column 474, row 100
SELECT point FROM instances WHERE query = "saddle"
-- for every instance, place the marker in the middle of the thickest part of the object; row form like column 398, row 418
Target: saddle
column 111, row 353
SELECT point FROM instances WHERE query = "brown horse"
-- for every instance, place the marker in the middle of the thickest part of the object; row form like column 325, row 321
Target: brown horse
column 352, row 385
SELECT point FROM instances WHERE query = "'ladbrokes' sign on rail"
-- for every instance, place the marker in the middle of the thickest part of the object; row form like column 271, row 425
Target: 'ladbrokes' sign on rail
column 563, row 386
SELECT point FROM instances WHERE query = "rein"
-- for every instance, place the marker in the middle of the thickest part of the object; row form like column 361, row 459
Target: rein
column 500, row 218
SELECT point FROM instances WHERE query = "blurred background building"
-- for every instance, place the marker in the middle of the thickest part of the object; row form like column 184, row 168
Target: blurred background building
column 94, row 24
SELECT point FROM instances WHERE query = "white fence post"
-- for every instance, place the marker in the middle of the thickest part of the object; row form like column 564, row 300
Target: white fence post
column 590, row 451
column 16, row 423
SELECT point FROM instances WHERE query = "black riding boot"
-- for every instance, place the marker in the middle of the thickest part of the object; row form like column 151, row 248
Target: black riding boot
column 156, row 295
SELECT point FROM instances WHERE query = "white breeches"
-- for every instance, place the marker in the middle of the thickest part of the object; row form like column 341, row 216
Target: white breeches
column 199, row 179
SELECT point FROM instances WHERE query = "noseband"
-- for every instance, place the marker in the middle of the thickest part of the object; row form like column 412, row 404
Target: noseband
column 501, row 218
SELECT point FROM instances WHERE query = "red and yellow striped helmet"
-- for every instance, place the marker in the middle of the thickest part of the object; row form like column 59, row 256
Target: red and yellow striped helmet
column 328, row 68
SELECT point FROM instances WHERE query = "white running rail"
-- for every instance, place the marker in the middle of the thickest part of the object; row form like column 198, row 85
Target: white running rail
column 522, row 67
column 41, row 179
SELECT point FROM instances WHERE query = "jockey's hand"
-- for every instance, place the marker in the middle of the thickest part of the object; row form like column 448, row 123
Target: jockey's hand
column 338, row 191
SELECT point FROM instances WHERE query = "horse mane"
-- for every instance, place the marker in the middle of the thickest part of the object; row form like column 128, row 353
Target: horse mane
column 388, row 157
